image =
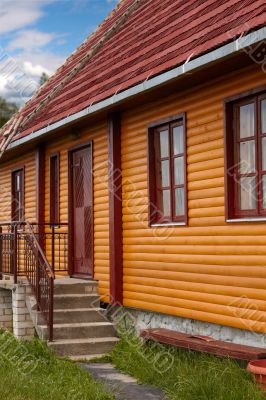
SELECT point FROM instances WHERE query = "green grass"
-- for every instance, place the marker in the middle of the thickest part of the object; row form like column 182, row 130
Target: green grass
column 29, row 371
column 184, row 375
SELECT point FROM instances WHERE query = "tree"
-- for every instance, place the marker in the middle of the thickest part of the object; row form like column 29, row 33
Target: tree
column 7, row 109
column 44, row 78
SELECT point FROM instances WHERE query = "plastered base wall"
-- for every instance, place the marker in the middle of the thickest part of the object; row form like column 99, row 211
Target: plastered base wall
column 145, row 319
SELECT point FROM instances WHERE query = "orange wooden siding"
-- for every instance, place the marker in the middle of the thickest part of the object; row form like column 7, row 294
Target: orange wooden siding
column 28, row 163
column 98, row 135
column 211, row 270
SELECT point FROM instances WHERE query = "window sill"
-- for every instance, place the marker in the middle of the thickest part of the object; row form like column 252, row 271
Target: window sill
column 258, row 219
column 169, row 224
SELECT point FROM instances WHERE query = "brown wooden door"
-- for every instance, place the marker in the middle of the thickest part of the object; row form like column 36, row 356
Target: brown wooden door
column 80, row 212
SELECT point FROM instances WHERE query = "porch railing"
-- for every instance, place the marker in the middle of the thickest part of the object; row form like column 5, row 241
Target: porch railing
column 40, row 276
column 52, row 238
column 36, row 251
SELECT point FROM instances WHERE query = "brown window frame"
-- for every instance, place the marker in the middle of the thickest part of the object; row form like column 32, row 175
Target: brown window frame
column 232, row 140
column 14, row 209
column 154, row 216
column 55, row 189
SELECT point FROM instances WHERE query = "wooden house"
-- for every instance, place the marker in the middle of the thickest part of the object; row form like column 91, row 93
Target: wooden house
column 141, row 164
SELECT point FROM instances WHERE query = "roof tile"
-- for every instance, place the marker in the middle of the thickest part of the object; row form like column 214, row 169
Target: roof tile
column 158, row 36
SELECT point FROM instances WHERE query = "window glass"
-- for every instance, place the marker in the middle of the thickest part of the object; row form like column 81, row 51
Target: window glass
column 18, row 182
column 247, row 124
column 264, row 154
column 17, row 195
column 179, row 202
column 165, row 173
column 166, row 209
column 264, row 190
column 54, row 189
column 179, row 170
column 164, row 144
column 263, row 116
column 248, row 193
column 247, row 157
column 178, row 139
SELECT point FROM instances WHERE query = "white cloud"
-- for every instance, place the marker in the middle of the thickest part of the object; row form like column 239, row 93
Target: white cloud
column 44, row 61
column 16, row 14
column 26, row 51
column 30, row 39
column 28, row 46
column 19, row 76
column 34, row 70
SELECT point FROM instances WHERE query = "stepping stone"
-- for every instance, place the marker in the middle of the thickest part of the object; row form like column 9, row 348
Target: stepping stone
column 123, row 386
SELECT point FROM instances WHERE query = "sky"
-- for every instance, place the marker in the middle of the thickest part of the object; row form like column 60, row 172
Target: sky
column 36, row 36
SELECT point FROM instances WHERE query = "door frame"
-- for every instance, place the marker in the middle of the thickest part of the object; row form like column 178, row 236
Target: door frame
column 89, row 146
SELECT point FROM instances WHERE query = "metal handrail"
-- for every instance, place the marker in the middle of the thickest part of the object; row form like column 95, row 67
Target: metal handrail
column 51, row 236
column 40, row 250
column 21, row 223
column 41, row 278
column 20, row 239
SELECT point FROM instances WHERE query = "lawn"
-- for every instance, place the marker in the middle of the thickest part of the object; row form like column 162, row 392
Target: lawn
column 29, row 371
column 184, row 375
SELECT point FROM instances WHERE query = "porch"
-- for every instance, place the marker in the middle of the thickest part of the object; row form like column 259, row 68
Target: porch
column 35, row 254
column 19, row 242
column 38, row 294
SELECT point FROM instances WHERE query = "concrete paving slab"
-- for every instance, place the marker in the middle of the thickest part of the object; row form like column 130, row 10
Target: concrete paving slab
column 124, row 386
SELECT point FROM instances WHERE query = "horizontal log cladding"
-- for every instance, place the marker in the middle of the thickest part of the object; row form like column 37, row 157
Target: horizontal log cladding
column 28, row 163
column 209, row 270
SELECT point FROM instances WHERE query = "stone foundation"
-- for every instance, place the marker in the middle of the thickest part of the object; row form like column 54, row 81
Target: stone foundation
column 6, row 317
column 144, row 319
column 22, row 323
column 14, row 314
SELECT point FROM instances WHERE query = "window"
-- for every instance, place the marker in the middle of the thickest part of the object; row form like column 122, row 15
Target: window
column 246, row 157
column 167, row 172
column 18, row 195
column 54, row 190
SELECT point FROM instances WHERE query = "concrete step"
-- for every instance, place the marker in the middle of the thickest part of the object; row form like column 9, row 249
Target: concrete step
column 87, row 357
column 74, row 301
column 79, row 330
column 83, row 347
column 75, row 286
column 77, row 315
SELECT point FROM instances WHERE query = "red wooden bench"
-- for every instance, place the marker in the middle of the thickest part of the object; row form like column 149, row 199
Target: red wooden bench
column 204, row 344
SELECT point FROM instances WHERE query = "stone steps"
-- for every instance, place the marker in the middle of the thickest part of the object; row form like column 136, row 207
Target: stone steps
column 86, row 357
column 78, row 315
column 79, row 330
column 80, row 327
column 81, row 348
column 69, row 286
column 73, row 301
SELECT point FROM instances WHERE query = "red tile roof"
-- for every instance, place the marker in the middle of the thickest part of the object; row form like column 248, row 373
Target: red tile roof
column 159, row 35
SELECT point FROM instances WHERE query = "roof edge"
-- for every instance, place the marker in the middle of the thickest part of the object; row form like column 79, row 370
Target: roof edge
column 241, row 43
